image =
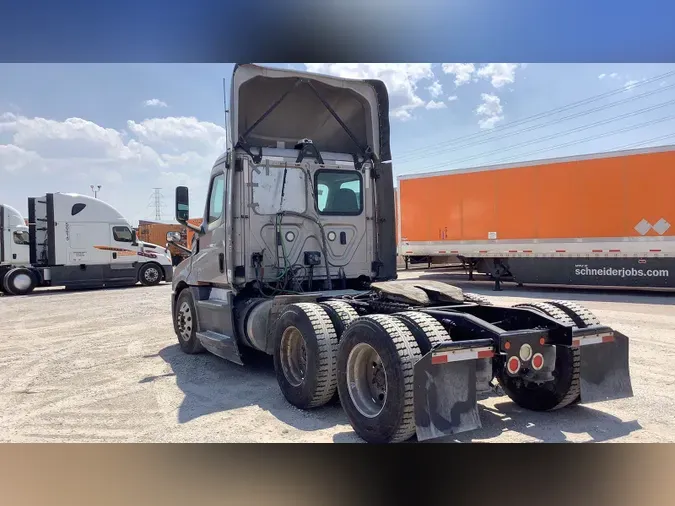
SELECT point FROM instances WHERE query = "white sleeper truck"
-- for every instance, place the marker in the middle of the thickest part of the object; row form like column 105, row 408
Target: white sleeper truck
column 296, row 258
column 75, row 241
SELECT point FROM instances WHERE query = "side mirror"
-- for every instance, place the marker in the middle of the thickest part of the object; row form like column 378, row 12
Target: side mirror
column 182, row 204
column 134, row 240
column 173, row 237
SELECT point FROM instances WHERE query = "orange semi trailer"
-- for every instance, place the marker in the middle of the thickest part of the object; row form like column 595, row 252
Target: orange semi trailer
column 602, row 219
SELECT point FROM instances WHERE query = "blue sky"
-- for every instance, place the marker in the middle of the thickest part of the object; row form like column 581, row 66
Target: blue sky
column 135, row 127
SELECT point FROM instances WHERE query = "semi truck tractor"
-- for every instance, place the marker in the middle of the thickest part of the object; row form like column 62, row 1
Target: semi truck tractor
column 75, row 241
column 296, row 258
column 596, row 220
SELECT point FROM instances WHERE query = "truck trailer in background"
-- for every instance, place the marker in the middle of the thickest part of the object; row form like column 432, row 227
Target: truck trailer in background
column 594, row 220
column 75, row 241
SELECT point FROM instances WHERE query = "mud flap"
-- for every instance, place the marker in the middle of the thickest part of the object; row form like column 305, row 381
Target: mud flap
column 604, row 368
column 445, row 398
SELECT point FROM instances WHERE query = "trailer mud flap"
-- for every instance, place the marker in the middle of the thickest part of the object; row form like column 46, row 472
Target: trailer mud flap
column 445, row 391
column 604, row 368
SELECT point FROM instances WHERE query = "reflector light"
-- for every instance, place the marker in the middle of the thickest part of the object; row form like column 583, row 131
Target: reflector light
column 525, row 352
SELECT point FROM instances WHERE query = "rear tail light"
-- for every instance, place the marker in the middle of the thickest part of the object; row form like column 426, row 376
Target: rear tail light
column 537, row 361
column 513, row 365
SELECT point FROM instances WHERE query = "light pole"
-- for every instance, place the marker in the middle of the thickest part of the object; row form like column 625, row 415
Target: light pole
column 95, row 189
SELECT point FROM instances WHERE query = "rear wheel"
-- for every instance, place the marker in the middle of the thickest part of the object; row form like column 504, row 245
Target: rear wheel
column 19, row 281
column 477, row 299
column 564, row 389
column 581, row 316
column 376, row 357
column 150, row 274
column 427, row 330
column 340, row 313
column 305, row 354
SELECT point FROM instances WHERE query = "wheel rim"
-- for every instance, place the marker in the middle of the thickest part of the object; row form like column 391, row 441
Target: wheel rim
column 366, row 380
column 151, row 274
column 22, row 282
column 293, row 355
column 184, row 318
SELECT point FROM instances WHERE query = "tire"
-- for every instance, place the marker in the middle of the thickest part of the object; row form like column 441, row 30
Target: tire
column 340, row 313
column 477, row 299
column 185, row 323
column 394, row 420
column 150, row 274
column 19, row 281
column 554, row 395
column 427, row 330
column 581, row 316
column 305, row 355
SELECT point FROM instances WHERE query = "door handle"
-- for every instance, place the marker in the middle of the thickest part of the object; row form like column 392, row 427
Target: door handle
column 114, row 256
column 221, row 262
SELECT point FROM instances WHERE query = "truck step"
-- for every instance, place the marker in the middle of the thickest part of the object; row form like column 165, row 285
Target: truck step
column 220, row 345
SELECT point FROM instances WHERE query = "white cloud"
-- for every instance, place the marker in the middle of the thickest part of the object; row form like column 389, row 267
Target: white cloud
column 452, row 98
column 155, row 102
column 602, row 76
column 490, row 111
column 499, row 74
column 14, row 159
column 436, row 89
column 401, row 79
column 435, row 105
column 631, row 83
column 462, row 71
column 614, row 75
column 73, row 153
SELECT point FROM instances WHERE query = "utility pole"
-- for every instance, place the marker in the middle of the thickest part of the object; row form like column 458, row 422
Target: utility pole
column 95, row 189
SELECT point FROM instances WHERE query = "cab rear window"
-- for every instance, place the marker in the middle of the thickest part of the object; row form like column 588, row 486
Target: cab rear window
column 339, row 192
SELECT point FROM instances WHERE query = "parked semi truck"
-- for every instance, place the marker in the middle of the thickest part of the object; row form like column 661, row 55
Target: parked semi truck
column 75, row 241
column 596, row 220
column 296, row 258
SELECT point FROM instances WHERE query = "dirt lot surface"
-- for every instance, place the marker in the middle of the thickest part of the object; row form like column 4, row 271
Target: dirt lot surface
column 104, row 366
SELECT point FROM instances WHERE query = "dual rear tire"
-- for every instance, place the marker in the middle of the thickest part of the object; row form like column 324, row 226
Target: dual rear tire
column 324, row 349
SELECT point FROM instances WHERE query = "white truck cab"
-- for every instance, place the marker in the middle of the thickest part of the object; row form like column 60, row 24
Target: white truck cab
column 76, row 241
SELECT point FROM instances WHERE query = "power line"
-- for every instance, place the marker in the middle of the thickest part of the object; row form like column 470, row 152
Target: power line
column 552, row 122
column 156, row 201
column 534, row 117
column 555, row 135
column 581, row 141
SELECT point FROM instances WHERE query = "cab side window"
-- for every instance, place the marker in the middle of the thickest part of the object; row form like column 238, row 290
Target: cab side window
column 216, row 198
column 122, row 234
column 21, row 237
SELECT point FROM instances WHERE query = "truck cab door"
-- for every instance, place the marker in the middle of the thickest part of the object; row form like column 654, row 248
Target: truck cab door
column 124, row 262
column 208, row 263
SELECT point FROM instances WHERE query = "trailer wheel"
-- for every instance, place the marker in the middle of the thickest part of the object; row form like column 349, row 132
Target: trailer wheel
column 150, row 274
column 305, row 355
column 185, row 323
column 564, row 389
column 427, row 330
column 19, row 281
column 340, row 313
column 376, row 357
column 477, row 299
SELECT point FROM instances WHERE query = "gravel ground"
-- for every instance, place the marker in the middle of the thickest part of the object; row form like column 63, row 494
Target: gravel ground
column 104, row 366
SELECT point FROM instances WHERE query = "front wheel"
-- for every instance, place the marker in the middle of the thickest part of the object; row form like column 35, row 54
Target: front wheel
column 19, row 281
column 185, row 323
column 150, row 274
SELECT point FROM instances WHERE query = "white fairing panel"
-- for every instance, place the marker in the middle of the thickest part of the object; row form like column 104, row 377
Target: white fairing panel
column 14, row 237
